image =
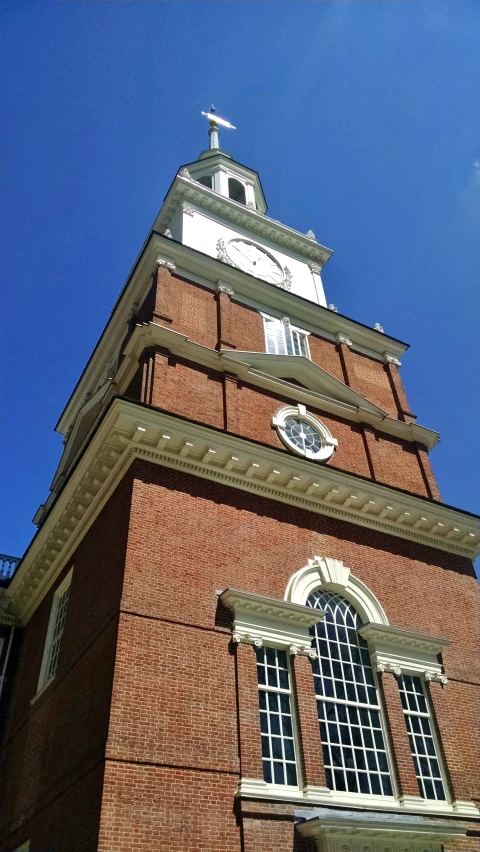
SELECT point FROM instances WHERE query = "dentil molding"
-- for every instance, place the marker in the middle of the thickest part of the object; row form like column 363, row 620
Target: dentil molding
column 130, row 430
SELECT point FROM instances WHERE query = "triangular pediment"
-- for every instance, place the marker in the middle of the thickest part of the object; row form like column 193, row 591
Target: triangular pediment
column 300, row 370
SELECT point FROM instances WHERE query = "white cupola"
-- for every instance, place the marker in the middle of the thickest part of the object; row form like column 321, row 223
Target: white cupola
column 216, row 170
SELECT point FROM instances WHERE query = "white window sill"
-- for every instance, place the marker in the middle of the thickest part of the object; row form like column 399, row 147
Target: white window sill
column 42, row 689
column 256, row 789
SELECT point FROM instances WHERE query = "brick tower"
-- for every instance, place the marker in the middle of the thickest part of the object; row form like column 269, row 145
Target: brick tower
column 247, row 622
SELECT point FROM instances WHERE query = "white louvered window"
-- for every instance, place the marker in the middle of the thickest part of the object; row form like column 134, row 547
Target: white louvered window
column 349, row 711
column 284, row 339
column 421, row 737
column 276, row 719
column 55, row 631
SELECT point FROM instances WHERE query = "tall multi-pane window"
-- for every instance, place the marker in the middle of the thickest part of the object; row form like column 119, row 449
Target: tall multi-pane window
column 284, row 339
column 348, row 704
column 55, row 631
column 276, row 722
column 420, row 735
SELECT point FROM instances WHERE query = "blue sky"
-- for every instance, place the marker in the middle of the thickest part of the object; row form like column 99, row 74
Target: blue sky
column 362, row 120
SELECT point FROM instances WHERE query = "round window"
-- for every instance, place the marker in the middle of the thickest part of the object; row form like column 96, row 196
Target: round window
column 303, row 433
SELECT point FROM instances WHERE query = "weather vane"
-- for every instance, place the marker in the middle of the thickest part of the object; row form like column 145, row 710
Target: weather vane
column 214, row 121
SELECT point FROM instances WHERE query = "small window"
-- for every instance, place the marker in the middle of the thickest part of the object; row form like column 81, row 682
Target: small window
column 55, row 631
column 283, row 339
column 236, row 191
column 420, row 735
column 206, row 180
column 276, row 722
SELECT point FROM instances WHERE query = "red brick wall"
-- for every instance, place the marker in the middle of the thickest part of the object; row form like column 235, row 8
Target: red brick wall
column 55, row 743
column 173, row 750
column 192, row 310
column 192, row 391
column 174, row 707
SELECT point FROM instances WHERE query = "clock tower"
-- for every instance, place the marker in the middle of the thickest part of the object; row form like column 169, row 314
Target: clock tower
column 237, row 626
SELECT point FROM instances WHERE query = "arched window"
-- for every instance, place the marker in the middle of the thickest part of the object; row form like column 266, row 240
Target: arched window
column 348, row 705
column 206, row 180
column 236, row 191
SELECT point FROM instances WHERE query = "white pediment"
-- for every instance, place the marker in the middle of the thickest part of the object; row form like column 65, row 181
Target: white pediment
column 308, row 374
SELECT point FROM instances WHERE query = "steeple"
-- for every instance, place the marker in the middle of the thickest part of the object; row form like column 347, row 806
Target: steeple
column 214, row 121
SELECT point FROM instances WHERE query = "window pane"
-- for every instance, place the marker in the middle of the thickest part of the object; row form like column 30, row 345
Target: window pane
column 59, row 614
column 276, row 725
column 422, row 743
column 356, row 743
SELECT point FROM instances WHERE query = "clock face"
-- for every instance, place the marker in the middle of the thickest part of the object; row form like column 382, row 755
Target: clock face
column 255, row 260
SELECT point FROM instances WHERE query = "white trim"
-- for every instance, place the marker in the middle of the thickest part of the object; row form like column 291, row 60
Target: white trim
column 323, row 572
column 281, row 325
column 335, row 830
column 320, row 389
column 317, row 388
column 253, row 788
column 261, row 620
column 404, row 651
column 299, row 412
column 181, row 444
column 203, row 269
column 43, row 681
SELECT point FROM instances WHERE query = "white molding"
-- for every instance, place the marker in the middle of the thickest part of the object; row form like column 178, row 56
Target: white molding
column 328, row 442
column 332, row 574
column 340, row 831
column 184, row 189
column 166, row 263
column 319, row 388
column 261, row 620
column 310, row 374
column 63, row 586
column 182, row 444
column 404, row 651
column 203, row 269
column 253, row 788
column 465, row 809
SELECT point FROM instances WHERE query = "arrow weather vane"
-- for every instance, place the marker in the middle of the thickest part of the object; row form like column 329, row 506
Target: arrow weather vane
column 214, row 121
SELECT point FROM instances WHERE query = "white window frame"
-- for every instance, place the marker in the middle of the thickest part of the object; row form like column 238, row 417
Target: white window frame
column 326, row 443
column 435, row 738
column 296, row 746
column 45, row 677
column 283, row 325
column 379, row 708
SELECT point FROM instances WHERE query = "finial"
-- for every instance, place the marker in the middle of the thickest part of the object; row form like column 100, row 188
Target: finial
column 214, row 121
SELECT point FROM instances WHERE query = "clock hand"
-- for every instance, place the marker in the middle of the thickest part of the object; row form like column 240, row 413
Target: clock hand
column 242, row 252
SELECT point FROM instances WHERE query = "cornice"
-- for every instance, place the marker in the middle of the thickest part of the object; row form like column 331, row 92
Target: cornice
column 268, row 607
column 336, row 398
column 399, row 651
column 207, row 271
column 130, row 430
column 330, row 825
column 260, row 620
column 405, row 638
column 187, row 189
